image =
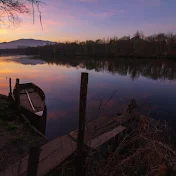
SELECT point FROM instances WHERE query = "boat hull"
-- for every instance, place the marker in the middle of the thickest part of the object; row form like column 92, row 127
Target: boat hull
column 39, row 122
column 32, row 104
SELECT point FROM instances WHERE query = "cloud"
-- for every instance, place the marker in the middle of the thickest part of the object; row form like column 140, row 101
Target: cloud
column 105, row 14
column 88, row 0
column 150, row 2
column 51, row 22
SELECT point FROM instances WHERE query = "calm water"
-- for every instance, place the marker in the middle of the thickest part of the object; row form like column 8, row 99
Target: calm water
column 151, row 82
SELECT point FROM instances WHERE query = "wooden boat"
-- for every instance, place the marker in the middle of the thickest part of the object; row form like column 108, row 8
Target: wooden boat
column 32, row 103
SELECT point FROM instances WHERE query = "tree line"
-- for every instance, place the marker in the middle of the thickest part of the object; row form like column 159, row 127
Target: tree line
column 157, row 45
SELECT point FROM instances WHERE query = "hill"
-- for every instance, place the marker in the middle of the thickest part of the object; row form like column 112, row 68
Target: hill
column 24, row 43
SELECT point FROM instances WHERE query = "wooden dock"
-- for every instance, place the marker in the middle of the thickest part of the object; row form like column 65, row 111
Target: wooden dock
column 55, row 152
column 52, row 154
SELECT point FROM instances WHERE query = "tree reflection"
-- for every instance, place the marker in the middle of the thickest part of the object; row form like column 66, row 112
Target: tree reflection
column 154, row 69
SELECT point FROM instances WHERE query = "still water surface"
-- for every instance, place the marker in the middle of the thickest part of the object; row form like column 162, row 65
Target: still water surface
column 151, row 82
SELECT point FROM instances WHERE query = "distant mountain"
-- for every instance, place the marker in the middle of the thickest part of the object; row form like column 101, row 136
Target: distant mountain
column 24, row 43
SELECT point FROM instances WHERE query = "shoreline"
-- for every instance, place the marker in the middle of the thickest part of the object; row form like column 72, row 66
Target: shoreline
column 15, row 52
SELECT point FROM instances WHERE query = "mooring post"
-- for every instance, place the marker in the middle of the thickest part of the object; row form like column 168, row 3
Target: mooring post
column 33, row 160
column 80, row 155
column 10, row 86
column 18, row 94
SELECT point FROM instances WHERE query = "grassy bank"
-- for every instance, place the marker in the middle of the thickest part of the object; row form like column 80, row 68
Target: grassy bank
column 145, row 148
column 16, row 137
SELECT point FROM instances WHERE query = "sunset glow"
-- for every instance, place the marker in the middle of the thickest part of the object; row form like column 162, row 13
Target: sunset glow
column 71, row 20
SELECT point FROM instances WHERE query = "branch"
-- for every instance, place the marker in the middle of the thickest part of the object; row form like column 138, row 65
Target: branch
column 12, row 9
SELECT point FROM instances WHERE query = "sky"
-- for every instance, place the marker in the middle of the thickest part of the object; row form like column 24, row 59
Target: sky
column 71, row 20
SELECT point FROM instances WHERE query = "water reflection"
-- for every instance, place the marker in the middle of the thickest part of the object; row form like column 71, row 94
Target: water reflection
column 150, row 82
column 25, row 60
column 150, row 68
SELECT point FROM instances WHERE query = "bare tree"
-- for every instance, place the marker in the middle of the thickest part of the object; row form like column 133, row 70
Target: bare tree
column 10, row 10
column 139, row 34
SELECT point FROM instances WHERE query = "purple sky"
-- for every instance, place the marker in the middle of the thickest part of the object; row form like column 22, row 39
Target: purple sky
column 65, row 20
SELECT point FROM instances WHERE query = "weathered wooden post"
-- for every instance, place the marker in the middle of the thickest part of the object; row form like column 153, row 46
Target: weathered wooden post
column 18, row 94
column 80, row 158
column 10, row 86
column 33, row 160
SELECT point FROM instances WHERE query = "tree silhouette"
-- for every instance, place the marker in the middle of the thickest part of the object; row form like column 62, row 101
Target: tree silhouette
column 154, row 46
column 10, row 10
column 138, row 35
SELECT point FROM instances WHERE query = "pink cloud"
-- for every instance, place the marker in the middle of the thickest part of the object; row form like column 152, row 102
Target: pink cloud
column 51, row 22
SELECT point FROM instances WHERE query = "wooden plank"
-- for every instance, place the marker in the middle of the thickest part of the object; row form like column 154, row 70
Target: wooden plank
column 98, row 141
column 125, row 117
column 30, row 100
column 30, row 90
column 25, row 102
column 52, row 154
column 101, row 125
column 36, row 101
column 95, row 128
column 22, row 91
column 65, row 148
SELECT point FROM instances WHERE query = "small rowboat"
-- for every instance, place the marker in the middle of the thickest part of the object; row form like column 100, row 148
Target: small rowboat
column 32, row 102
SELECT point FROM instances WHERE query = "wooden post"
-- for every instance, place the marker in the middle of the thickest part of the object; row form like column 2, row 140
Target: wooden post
column 80, row 158
column 10, row 86
column 18, row 94
column 33, row 160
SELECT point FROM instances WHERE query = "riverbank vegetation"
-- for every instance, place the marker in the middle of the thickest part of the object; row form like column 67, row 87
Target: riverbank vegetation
column 154, row 46
column 146, row 148
column 16, row 136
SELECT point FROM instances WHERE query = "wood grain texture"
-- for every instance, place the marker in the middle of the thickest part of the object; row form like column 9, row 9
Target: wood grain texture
column 105, row 137
column 52, row 154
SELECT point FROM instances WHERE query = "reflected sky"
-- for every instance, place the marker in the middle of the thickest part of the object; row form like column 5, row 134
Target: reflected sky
column 61, row 84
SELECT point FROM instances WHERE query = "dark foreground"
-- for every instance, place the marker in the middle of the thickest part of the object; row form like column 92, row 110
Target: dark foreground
column 129, row 144
column 16, row 136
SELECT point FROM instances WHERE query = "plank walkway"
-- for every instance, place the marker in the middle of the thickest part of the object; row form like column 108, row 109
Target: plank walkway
column 97, row 132
column 98, row 141
column 52, row 154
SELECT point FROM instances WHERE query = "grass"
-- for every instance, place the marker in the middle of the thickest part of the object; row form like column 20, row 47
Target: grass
column 15, row 136
column 6, row 112
column 8, row 125
column 19, row 140
column 6, row 115
column 11, row 127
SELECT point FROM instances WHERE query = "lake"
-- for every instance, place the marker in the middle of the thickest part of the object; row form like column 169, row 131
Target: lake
column 112, row 83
